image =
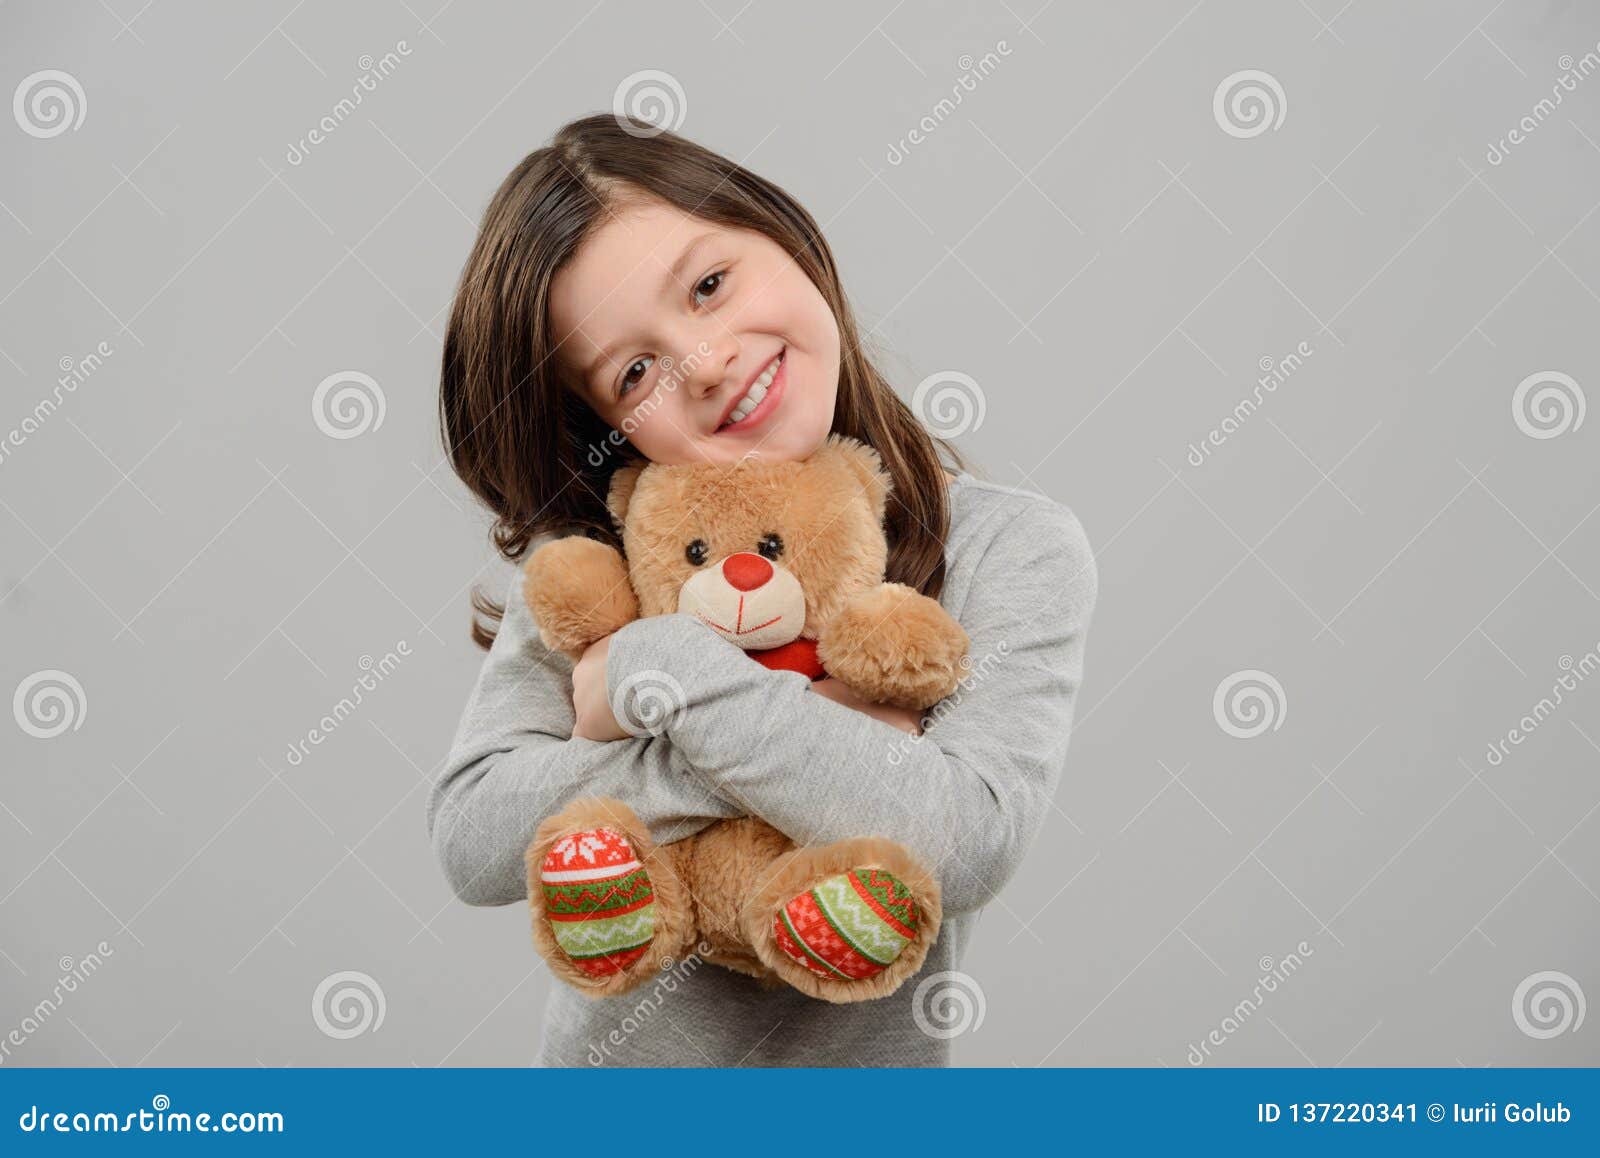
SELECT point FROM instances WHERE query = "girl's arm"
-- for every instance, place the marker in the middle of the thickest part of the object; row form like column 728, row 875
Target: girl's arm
column 970, row 794
column 512, row 765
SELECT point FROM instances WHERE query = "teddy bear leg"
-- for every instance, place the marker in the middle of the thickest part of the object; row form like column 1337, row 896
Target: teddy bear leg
column 609, row 907
column 847, row 921
column 722, row 865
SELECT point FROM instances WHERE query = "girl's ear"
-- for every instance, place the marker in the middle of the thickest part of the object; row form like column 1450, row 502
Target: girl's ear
column 864, row 463
column 623, row 480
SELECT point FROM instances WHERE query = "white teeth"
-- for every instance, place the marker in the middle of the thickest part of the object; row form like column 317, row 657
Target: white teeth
column 757, row 391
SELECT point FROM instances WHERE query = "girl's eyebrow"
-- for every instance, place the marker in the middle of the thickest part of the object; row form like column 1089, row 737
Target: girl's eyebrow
column 673, row 279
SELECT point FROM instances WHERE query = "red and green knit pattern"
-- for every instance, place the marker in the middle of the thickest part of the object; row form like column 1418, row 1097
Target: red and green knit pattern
column 599, row 901
column 853, row 925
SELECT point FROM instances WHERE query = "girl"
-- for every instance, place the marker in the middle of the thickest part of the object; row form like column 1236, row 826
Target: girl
column 603, row 262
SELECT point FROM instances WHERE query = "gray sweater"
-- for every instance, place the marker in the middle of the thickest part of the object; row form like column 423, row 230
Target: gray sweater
column 968, row 796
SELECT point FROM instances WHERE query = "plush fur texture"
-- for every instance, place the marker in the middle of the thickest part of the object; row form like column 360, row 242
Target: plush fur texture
column 895, row 646
column 578, row 594
column 828, row 510
column 718, row 891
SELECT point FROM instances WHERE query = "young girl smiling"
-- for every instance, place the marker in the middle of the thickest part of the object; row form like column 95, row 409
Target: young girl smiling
column 629, row 281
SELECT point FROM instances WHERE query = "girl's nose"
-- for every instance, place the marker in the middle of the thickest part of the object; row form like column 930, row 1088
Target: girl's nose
column 745, row 571
column 710, row 371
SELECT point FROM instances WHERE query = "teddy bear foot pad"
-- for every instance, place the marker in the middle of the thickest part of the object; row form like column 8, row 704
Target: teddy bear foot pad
column 852, row 925
column 846, row 921
column 608, row 909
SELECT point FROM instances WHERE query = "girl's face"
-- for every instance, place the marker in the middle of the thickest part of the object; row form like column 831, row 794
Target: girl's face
column 698, row 342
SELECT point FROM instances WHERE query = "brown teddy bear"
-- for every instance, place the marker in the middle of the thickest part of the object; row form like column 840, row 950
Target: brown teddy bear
column 786, row 561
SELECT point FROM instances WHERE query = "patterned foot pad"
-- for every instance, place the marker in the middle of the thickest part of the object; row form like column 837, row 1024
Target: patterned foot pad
column 852, row 926
column 599, row 900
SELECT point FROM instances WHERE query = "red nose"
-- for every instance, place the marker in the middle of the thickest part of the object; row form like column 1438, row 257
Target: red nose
column 746, row 571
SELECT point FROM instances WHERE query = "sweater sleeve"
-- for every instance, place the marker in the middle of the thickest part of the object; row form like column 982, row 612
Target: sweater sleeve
column 971, row 793
column 512, row 764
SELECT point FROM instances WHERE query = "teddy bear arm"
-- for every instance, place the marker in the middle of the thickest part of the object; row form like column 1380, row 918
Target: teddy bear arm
column 894, row 645
column 578, row 592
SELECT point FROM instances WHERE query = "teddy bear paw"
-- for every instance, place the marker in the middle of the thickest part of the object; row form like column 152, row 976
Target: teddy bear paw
column 578, row 591
column 849, row 926
column 599, row 900
column 894, row 645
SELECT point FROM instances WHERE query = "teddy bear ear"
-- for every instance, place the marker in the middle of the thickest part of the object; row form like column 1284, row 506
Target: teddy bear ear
column 623, row 481
column 864, row 463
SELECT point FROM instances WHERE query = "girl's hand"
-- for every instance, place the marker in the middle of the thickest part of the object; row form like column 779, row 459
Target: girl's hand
column 590, row 703
column 903, row 718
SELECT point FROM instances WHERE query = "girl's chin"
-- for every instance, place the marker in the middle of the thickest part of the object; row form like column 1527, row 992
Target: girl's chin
column 779, row 446
column 728, row 450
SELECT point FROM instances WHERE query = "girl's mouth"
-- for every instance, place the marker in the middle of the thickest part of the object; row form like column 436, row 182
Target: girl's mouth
column 761, row 399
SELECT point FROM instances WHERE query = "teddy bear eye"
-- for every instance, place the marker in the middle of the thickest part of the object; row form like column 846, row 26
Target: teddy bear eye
column 771, row 545
column 695, row 552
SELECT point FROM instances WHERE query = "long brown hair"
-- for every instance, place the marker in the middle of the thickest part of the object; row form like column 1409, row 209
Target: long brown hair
column 517, row 437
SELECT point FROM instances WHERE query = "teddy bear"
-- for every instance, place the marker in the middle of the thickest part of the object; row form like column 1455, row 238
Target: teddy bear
column 785, row 560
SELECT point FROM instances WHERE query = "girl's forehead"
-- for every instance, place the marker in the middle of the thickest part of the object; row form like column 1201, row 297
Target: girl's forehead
column 649, row 235
column 619, row 268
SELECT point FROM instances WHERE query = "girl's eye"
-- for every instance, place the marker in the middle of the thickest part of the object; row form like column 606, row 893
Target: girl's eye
column 713, row 280
column 695, row 552
column 771, row 545
column 629, row 378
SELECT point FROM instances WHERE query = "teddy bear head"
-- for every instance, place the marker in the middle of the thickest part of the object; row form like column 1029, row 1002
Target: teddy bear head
column 763, row 552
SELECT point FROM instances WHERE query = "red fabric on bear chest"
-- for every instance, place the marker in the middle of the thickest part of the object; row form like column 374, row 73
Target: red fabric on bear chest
column 798, row 655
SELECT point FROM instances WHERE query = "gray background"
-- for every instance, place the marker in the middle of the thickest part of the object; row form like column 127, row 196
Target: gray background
column 1082, row 238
